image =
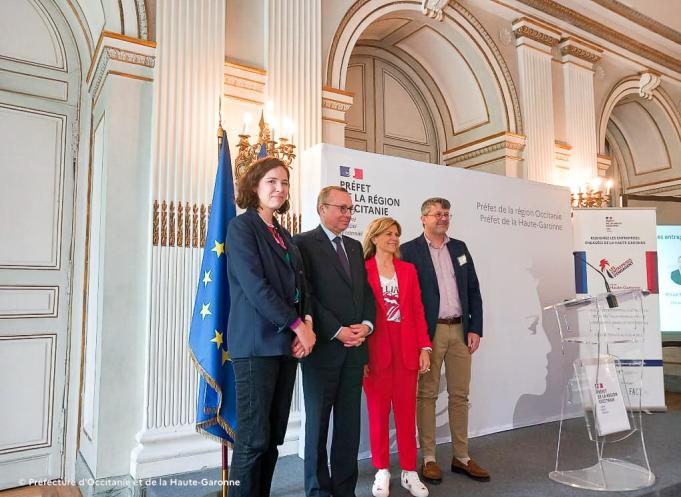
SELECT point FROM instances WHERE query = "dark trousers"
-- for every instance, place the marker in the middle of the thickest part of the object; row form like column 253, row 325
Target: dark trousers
column 264, row 387
column 325, row 389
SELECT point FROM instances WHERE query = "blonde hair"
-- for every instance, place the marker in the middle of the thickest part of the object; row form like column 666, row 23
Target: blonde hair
column 378, row 227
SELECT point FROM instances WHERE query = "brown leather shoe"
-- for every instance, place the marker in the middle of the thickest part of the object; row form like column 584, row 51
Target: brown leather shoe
column 431, row 473
column 472, row 469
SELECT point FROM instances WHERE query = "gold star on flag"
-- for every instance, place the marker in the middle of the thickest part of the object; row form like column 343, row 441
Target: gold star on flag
column 205, row 311
column 225, row 356
column 206, row 278
column 217, row 339
column 219, row 248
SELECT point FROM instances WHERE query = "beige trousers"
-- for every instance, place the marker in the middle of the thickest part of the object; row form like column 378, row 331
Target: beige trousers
column 448, row 348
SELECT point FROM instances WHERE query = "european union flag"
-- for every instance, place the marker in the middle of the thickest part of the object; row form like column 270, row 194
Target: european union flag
column 216, row 407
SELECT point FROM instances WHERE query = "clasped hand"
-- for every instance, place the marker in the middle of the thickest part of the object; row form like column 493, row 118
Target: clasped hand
column 353, row 335
column 305, row 339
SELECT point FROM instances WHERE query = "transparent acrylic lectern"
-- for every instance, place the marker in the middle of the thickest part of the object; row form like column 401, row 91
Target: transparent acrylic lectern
column 607, row 451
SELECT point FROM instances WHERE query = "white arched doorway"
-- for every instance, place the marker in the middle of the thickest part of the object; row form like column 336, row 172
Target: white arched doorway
column 640, row 132
column 440, row 87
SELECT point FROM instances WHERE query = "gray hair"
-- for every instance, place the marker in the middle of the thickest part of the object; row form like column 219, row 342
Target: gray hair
column 430, row 202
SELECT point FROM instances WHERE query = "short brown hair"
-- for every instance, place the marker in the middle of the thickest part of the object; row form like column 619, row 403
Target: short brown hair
column 430, row 202
column 248, row 183
column 324, row 194
column 377, row 227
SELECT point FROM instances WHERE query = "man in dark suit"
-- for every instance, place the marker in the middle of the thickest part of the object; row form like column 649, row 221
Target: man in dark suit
column 453, row 308
column 344, row 310
column 676, row 274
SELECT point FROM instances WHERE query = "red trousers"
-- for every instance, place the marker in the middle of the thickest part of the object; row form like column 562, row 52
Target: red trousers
column 394, row 386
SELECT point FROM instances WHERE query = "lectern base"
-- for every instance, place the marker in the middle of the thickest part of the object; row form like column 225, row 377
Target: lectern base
column 610, row 475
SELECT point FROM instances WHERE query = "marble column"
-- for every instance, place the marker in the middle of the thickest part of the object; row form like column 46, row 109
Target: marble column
column 187, row 92
column 534, row 41
column 294, row 73
column 577, row 58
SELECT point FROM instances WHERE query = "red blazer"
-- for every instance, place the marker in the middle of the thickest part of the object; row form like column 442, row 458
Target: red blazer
column 412, row 318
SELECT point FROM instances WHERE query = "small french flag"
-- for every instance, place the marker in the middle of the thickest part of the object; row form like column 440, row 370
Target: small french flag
column 351, row 172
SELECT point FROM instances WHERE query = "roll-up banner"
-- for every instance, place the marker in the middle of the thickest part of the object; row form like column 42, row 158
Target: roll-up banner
column 622, row 244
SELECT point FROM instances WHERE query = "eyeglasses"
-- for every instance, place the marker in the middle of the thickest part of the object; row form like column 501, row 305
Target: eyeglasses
column 344, row 209
column 440, row 215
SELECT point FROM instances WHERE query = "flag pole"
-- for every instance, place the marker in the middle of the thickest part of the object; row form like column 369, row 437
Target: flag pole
column 225, row 447
column 225, row 470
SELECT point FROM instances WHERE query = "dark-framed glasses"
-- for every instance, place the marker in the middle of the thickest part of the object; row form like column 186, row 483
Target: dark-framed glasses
column 344, row 209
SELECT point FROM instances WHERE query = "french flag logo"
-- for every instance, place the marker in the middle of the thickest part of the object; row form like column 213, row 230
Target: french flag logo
column 351, row 172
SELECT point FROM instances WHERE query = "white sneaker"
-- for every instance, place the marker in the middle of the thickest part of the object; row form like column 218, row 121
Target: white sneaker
column 410, row 481
column 381, row 486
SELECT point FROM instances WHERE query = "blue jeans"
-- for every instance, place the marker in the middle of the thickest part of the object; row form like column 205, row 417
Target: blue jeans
column 264, row 387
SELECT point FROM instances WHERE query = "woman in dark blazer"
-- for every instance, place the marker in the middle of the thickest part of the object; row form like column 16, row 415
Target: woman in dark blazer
column 269, row 323
column 398, row 351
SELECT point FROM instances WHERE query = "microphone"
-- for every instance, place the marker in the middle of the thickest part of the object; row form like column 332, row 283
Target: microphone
column 610, row 297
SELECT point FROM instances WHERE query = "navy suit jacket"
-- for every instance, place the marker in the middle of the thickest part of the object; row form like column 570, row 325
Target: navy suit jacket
column 336, row 300
column 417, row 252
column 262, row 287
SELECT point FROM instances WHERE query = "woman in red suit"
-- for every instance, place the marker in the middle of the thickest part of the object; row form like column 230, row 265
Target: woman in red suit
column 399, row 350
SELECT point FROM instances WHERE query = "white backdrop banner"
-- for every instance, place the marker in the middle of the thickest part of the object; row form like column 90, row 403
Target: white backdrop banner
column 520, row 237
column 669, row 270
column 622, row 244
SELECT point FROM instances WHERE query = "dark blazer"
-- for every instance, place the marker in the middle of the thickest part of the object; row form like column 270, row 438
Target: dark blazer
column 417, row 252
column 262, row 287
column 336, row 301
column 414, row 331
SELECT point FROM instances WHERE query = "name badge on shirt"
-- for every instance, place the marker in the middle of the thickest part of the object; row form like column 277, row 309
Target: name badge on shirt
column 462, row 260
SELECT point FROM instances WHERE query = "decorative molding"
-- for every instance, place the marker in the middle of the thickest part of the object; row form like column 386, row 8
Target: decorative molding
column 179, row 225
column 433, row 8
column 329, row 103
column 575, row 47
column 123, row 56
column 641, row 19
column 244, row 83
column 535, row 30
column 35, row 301
column 504, row 145
column 330, row 89
column 501, row 153
column 142, row 27
column 613, row 36
column 648, row 84
column 477, row 148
